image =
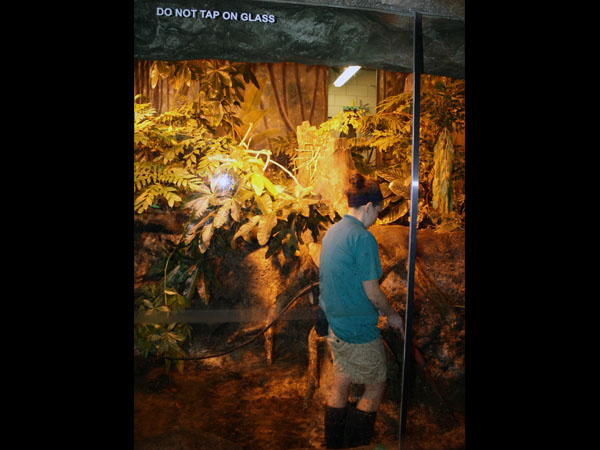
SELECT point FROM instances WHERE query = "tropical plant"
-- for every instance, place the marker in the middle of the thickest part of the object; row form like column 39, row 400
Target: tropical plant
column 389, row 131
column 238, row 196
column 198, row 158
column 229, row 197
column 158, row 338
column 191, row 159
column 165, row 148
column 219, row 86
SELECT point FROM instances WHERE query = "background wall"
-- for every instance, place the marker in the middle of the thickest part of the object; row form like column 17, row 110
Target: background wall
column 360, row 89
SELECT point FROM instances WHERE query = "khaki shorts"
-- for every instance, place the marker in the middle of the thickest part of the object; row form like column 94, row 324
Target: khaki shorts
column 362, row 363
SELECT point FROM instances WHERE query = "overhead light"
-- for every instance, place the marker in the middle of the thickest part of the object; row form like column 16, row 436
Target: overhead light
column 345, row 76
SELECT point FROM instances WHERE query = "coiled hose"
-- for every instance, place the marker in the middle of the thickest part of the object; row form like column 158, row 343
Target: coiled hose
column 290, row 304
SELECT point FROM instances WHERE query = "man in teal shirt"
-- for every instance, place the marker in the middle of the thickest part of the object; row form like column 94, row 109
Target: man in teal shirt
column 352, row 300
column 349, row 256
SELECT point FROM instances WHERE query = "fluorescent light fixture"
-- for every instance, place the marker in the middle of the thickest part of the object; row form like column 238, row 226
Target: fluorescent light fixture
column 345, row 76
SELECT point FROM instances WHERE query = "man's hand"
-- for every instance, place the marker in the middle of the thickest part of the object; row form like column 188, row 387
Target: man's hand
column 380, row 301
column 395, row 321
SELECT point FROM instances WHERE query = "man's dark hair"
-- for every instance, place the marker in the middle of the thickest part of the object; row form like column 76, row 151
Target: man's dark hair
column 363, row 190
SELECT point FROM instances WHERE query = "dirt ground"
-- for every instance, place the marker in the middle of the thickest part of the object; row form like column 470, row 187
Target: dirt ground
column 237, row 401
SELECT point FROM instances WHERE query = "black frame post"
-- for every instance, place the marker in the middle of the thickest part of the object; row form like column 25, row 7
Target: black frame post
column 412, row 237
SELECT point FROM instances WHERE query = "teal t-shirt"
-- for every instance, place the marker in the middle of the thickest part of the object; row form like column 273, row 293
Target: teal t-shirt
column 349, row 256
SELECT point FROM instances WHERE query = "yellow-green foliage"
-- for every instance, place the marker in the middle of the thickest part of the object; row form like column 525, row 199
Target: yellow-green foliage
column 389, row 131
column 196, row 158
column 165, row 150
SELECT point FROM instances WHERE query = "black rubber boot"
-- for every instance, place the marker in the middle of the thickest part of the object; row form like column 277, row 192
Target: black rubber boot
column 360, row 427
column 335, row 423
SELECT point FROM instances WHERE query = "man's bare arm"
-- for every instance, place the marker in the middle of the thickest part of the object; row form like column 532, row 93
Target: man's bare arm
column 380, row 301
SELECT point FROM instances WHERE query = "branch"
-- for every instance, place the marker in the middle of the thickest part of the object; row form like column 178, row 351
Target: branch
column 300, row 99
column 268, row 154
column 246, row 135
column 257, row 153
column 284, row 116
column 314, row 96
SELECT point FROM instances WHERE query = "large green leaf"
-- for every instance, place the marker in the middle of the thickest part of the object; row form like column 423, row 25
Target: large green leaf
column 235, row 210
column 223, row 213
column 199, row 205
column 258, row 183
column 399, row 187
column 207, row 233
column 265, row 204
column 191, row 283
column 245, row 229
column 265, row 225
column 271, row 188
column 393, row 213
